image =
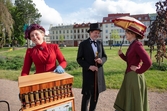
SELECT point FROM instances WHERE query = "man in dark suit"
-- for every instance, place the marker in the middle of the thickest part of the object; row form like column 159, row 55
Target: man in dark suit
column 91, row 52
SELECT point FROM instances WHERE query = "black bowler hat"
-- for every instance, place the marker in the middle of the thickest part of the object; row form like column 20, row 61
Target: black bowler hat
column 94, row 26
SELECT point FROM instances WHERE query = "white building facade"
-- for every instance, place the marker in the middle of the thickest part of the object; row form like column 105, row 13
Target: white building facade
column 109, row 29
column 62, row 34
column 72, row 35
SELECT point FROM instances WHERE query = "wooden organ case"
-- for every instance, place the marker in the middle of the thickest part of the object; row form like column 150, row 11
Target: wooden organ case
column 46, row 92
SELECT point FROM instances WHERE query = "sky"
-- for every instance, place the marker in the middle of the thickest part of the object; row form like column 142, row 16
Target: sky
column 66, row 12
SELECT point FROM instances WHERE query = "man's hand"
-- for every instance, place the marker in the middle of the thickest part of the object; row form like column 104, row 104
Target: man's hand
column 93, row 68
column 98, row 60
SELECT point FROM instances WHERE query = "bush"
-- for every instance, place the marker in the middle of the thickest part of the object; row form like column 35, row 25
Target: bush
column 13, row 63
column 2, row 60
column 32, row 67
column 72, row 65
column 162, row 67
column 16, row 63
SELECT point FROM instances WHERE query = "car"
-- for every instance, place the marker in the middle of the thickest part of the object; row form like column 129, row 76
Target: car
column 61, row 45
column 116, row 45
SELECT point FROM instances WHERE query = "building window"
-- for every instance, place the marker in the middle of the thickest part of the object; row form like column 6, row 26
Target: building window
column 74, row 36
column 71, row 37
column 78, row 30
column 86, row 36
column 112, row 25
column 106, row 31
column 106, row 25
column 106, row 37
column 74, row 31
column 78, row 37
column 154, row 18
column 56, row 32
column 63, row 31
column 53, row 32
column 122, row 31
column 60, row 31
column 67, row 31
column 82, row 30
column 144, row 23
column 71, row 31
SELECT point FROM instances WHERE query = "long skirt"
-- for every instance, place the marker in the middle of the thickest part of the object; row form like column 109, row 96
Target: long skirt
column 132, row 95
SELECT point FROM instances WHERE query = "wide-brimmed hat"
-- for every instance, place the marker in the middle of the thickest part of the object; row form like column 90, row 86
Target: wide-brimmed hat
column 31, row 28
column 94, row 26
column 136, row 30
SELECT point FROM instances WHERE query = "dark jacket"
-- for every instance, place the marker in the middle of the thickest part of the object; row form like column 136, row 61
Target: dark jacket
column 85, row 59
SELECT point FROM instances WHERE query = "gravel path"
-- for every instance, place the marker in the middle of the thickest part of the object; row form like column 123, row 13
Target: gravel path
column 9, row 92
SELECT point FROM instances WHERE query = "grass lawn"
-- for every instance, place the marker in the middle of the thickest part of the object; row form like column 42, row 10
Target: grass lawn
column 114, row 69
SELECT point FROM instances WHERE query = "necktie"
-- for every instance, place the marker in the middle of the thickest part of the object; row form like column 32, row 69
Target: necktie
column 95, row 43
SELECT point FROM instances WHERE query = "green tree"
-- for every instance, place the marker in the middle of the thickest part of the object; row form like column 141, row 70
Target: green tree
column 8, row 4
column 6, row 22
column 61, row 38
column 114, row 35
column 23, row 13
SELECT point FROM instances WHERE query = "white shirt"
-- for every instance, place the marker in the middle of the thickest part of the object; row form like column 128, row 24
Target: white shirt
column 94, row 47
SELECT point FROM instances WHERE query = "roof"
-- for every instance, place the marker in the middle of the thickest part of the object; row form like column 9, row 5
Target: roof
column 141, row 17
column 113, row 16
column 83, row 25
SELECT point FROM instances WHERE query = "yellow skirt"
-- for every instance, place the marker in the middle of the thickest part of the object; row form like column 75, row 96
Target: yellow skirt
column 132, row 95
